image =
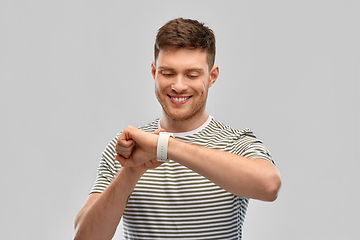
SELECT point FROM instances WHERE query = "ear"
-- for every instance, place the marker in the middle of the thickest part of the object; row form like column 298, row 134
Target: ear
column 214, row 74
column 153, row 69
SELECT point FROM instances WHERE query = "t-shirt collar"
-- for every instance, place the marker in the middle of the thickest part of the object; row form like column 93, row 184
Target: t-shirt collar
column 184, row 134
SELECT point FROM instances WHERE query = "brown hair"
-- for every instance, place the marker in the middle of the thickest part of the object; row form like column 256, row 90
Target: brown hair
column 186, row 33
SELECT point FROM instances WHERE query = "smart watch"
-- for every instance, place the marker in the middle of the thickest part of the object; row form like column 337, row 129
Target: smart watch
column 162, row 146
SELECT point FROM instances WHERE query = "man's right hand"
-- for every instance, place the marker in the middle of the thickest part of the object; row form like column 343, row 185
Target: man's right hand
column 137, row 149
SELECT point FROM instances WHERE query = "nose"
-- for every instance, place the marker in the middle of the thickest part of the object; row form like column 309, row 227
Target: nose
column 179, row 85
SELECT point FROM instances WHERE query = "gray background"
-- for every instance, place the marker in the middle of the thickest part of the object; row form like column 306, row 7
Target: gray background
column 74, row 73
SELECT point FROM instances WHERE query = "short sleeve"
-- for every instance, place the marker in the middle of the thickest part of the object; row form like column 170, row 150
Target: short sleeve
column 108, row 168
column 249, row 146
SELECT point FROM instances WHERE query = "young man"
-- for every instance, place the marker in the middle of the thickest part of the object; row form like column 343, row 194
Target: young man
column 203, row 191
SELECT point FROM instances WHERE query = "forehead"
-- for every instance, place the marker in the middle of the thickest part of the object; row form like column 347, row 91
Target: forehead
column 182, row 59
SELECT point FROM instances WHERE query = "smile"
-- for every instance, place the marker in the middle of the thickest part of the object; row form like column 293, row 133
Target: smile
column 179, row 99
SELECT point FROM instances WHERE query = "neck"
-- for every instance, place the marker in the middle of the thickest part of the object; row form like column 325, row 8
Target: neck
column 177, row 126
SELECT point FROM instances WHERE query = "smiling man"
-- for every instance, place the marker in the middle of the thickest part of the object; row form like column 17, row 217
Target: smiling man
column 184, row 175
column 182, row 80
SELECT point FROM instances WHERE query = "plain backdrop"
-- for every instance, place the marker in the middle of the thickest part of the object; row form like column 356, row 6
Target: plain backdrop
column 75, row 73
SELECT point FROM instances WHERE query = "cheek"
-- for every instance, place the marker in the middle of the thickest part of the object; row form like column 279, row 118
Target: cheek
column 205, row 86
column 159, row 86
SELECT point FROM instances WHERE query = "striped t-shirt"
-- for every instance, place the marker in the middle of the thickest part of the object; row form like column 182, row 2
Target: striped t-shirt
column 174, row 202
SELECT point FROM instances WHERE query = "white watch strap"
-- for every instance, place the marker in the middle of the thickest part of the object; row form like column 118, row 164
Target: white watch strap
column 162, row 146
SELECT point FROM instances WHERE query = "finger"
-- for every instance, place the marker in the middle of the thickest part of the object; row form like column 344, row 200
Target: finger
column 125, row 142
column 121, row 160
column 148, row 164
column 155, row 163
column 152, row 164
column 125, row 149
column 120, row 148
column 126, row 153
column 158, row 131
column 125, row 162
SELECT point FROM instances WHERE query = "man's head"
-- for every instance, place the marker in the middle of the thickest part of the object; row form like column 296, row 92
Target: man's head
column 188, row 34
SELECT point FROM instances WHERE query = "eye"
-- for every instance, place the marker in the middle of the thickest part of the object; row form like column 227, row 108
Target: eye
column 167, row 73
column 191, row 76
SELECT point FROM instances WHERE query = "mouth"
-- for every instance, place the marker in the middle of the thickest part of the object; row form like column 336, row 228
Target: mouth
column 179, row 99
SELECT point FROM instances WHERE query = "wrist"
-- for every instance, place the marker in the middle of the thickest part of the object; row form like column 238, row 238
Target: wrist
column 171, row 149
column 179, row 150
column 162, row 146
column 134, row 173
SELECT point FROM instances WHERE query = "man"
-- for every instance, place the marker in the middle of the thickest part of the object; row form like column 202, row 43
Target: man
column 203, row 191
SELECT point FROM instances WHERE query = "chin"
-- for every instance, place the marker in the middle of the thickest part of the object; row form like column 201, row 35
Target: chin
column 178, row 117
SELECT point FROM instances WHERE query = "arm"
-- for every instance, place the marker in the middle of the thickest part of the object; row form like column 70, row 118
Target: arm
column 101, row 213
column 251, row 178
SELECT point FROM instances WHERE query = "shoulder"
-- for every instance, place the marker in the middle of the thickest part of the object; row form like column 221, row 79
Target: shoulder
column 150, row 127
column 243, row 142
column 225, row 131
column 217, row 135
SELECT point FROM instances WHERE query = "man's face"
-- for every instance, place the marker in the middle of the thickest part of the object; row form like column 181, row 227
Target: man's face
column 182, row 80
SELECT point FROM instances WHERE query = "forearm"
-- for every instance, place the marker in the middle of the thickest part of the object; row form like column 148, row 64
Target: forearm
column 252, row 178
column 100, row 219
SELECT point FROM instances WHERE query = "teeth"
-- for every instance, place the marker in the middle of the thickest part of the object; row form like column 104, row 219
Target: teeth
column 179, row 99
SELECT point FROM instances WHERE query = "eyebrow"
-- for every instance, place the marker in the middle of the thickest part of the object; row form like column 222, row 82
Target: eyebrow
column 195, row 70
column 187, row 70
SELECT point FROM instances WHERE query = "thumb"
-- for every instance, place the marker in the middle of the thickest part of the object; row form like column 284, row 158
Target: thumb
column 124, row 162
column 158, row 131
